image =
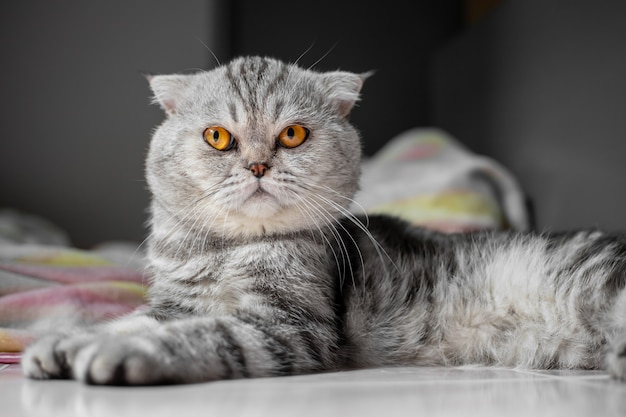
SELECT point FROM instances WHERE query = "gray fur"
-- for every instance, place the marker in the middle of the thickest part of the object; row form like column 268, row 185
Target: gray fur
column 282, row 279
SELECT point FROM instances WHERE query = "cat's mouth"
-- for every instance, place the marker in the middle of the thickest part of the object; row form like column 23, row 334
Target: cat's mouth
column 260, row 203
column 259, row 199
column 259, row 193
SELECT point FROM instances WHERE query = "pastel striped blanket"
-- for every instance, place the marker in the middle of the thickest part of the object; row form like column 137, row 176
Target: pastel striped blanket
column 45, row 288
column 428, row 178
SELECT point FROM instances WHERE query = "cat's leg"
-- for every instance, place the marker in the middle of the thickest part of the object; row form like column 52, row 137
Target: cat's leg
column 189, row 350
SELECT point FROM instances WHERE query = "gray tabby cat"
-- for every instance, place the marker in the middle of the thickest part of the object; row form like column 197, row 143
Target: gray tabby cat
column 259, row 269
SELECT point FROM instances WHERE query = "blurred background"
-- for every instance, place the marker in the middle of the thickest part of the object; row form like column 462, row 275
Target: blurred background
column 539, row 85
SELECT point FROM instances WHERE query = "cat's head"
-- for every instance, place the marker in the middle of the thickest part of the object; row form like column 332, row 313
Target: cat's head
column 255, row 147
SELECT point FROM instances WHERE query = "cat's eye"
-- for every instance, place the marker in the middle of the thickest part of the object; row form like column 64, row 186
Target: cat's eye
column 219, row 138
column 293, row 136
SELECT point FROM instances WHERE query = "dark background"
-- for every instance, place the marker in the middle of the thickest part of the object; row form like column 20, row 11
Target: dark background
column 396, row 39
column 537, row 84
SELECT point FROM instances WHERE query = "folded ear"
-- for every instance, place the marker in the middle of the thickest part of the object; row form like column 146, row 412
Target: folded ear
column 168, row 90
column 344, row 88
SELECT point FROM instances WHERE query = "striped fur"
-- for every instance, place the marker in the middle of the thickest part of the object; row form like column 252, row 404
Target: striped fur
column 273, row 276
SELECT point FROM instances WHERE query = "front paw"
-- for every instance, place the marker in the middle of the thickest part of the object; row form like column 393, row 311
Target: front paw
column 52, row 356
column 100, row 359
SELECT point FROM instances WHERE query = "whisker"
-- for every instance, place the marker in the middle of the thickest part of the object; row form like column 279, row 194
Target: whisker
column 207, row 224
column 181, row 244
column 331, row 222
column 304, row 53
column 351, row 200
column 356, row 245
column 323, row 235
column 355, row 220
column 145, row 240
column 346, row 263
column 208, row 227
column 323, row 56
column 190, row 211
column 219, row 64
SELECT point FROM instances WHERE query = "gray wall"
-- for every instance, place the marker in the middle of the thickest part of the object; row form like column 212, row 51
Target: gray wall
column 538, row 84
column 75, row 118
column 541, row 86
column 396, row 39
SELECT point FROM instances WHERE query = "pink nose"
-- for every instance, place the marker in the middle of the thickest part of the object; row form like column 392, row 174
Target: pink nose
column 258, row 169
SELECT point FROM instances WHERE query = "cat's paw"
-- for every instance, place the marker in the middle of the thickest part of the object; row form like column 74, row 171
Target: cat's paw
column 122, row 360
column 616, row 359
column 52, row 356
column 100, row 359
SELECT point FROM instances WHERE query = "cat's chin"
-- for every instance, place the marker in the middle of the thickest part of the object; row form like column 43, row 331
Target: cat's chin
column 260, row 205
column 262, row 215
column 242, row 225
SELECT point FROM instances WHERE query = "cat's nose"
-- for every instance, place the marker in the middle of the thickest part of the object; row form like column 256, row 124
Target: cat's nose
column 258, row 169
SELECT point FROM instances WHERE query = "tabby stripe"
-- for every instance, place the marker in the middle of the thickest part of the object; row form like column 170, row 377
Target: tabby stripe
column 278, row 108
column 171, row 346
column 271, row 87
column 167, row 309
column 232, row 108
column 269, row 293
column 275, row 346
column 230, row 352
column 251, row 87
column 616, row 279
column 312, row 348
column 234, row 82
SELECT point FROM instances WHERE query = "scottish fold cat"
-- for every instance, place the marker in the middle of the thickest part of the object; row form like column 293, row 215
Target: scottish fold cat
column 258, row 268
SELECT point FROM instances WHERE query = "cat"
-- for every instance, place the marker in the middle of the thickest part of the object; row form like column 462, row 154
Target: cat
column 259, row 269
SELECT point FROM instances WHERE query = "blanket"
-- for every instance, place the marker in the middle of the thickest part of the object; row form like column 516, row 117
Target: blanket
column 427, row 177
column 46, row 285
column 423, row 176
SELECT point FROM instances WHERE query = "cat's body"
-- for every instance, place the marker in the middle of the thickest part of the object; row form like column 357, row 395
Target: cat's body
column 259, row 269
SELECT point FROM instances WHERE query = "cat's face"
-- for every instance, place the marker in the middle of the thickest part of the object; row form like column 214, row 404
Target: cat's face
column 255, row 147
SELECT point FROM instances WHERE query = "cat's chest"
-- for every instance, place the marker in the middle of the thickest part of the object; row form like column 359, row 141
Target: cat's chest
column 246, row 277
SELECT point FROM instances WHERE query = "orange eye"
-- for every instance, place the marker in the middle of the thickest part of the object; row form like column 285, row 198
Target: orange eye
column 293, row 136
column 219, row 138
